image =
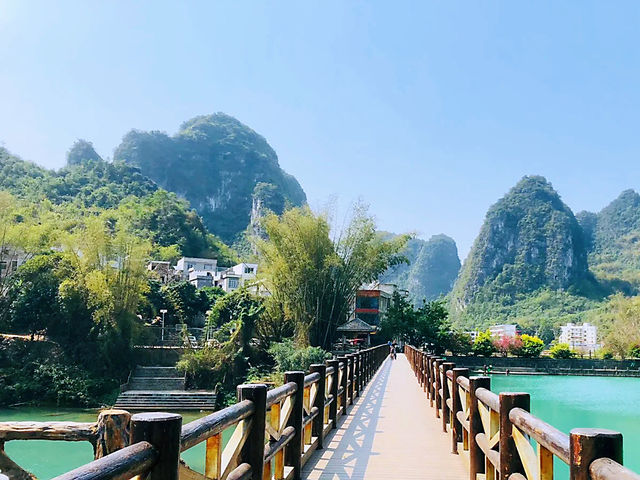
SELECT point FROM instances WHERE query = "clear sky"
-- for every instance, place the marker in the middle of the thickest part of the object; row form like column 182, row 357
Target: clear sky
column 429, row 111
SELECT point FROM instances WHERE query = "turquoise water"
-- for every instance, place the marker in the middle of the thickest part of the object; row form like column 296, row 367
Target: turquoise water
column 583, row 402
column 47, row 459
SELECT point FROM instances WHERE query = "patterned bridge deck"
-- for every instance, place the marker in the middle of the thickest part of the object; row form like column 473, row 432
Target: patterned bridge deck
column 390, row 433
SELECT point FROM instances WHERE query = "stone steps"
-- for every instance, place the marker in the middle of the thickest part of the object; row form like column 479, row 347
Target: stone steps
column 162, row 388
column 148, row 400
column 157, row 372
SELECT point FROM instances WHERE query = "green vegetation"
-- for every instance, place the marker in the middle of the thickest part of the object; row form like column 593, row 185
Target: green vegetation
column 484, row 344
column 426, row 326
column 430, row 271
column 528, row 346
column 561, row 350
column 289, row 358
column 216, row 163
column 314, row 279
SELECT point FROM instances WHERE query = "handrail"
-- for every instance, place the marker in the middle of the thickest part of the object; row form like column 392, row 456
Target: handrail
column 464, row 383
column 311, row 378
column 546, row 435
column 199, row 430
column 489, row 398
column 277, row 394
column 497, row 429
column 606, row 469
column 121, row 465
column 67, row 431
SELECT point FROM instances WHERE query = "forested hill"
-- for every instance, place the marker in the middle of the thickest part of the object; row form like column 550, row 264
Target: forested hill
column 89, row 185
column 613, row 237
column 530, row 239
column 216, row 163
column 432, row 269
column 87, row 180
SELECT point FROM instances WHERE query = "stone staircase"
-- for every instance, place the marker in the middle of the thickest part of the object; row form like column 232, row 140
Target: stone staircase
column 161, row 388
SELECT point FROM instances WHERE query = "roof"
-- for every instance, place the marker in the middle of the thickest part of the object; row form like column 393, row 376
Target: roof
column 356, row 325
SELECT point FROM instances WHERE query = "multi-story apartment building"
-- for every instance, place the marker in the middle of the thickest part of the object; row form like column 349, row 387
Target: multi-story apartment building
column 501, row 331
column 233, row 277
column 583, row 338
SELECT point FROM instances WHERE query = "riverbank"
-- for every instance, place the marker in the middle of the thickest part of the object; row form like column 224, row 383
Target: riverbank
column 550, row 366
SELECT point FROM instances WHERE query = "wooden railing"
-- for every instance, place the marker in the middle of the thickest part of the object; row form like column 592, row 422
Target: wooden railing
column 496, row 432
column 274, row 431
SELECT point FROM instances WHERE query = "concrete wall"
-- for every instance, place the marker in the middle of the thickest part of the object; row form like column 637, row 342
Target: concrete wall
column 545, row 363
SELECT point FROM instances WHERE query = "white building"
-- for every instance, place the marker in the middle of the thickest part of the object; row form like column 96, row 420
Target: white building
column 186, row 265
column 583, row 338
column 10, row 260
column 501, row 331
column 161, row 270
column 234, row 277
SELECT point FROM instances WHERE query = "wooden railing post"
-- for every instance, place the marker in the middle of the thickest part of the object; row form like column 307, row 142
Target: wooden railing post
column 438, row 384
column 162, row 430
column 113, row 431
column 333, row 407
column 476, row 456
column 509, row 457
column 423, row 366
column 430, row 380
column 356, row 375
column 253, row 448
column 318, row 422
column 293, row 450
column 588, row 444
column 456, row 406
column 344, row 384
column 446, row 366
column 351, row 381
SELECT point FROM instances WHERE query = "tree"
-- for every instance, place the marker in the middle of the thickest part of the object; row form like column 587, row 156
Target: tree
column 484, row 344
column 561, row 350
column 35, row 305
column 530, row 347
column 622, row 317
column 315, row 278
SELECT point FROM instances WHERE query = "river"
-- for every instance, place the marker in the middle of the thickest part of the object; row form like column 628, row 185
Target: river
column 583, row 402
column 564, row 402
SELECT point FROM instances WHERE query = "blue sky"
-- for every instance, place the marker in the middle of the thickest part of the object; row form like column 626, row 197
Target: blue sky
column 428, row 111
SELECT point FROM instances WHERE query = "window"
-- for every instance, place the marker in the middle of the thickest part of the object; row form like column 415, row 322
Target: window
column 233, row 283
column 14, row 265
column 207, row 266
column 189, row 265
column 248, row 269
column 3, row 266
column 367, row 302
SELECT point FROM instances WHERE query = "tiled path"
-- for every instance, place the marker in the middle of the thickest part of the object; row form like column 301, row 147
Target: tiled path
column 390, row 433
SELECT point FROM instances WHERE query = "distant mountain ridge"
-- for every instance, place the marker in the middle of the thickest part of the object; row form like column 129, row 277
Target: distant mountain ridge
column 215, row 162
column 613, row 239
column 432, row 269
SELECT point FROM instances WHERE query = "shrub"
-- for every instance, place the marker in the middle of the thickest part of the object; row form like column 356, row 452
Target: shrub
column 484, row 344
column 562, row 350
column 606, row 355
column 634, row 351
column 289, row 357
column 531, row 347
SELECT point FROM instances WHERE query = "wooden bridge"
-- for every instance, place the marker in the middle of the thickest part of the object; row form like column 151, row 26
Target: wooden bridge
column 361, row 416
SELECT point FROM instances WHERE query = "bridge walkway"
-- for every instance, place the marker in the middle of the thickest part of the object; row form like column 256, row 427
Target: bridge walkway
column 390, row 433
